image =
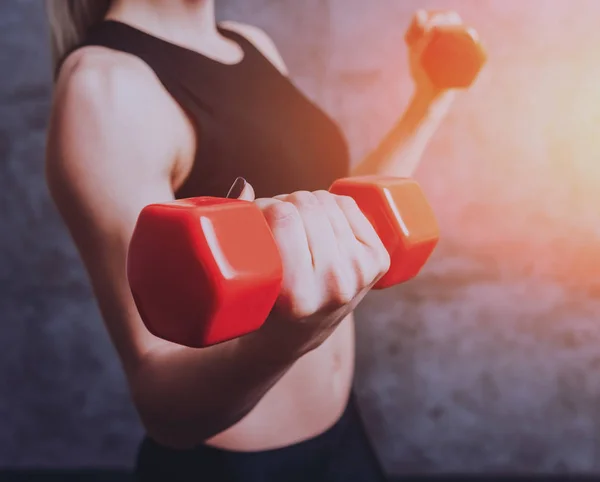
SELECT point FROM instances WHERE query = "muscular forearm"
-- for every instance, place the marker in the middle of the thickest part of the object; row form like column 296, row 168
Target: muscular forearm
column 185, row 395
column 400, row 151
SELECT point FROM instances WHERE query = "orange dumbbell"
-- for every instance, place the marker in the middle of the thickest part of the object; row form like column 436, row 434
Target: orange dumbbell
column 205, row 270
column 453, row 55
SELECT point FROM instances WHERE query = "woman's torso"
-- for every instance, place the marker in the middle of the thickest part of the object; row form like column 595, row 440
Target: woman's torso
column 249, row 120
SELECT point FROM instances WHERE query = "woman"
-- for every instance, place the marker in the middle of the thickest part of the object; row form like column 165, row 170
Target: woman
column 154, row 101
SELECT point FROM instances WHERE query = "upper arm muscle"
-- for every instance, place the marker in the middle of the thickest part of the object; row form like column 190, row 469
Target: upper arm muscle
column 106, row 159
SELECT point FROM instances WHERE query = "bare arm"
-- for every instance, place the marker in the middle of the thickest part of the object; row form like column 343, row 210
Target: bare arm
column 109, row 154
column 401, row 149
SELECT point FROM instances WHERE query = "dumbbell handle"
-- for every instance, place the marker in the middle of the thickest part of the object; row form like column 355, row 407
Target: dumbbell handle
column 205, row 270
column 416, row 29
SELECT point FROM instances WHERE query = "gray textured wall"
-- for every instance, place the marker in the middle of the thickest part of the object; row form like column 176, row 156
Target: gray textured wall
column 489, row 361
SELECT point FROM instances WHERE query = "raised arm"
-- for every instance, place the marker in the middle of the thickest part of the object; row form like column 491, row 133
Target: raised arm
column 401, row 149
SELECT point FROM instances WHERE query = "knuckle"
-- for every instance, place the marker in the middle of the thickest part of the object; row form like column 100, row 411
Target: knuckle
column 367, row 271
column 343, row 286
column 371, row 264
column 329, row 205
column 378, row 261
column 343, row 295
column 300, row 310
column 323, row 196
column 327, row 201
column 299, row 303
column 384, row 259
column 387, row 261
column 281, row 212
column 454, row 18
column 304, row 199
column 347, row 203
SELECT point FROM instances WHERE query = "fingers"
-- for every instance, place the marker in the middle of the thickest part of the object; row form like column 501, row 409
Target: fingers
column 337, row 218
column 319, row 231
column 241, row 189
column 329, row 249
column 288, row 230
column 332, row 245
column 247, row 193
column 446, row 18
column 362, row 229
column 428, row 19
column 377, row 260
column 422, row 16
column 344, row 244
column 289, row 233
column 443, row 19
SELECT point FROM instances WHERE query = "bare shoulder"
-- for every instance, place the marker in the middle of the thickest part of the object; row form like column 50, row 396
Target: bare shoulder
column 100, row 79
column 108, row 104
column 261, row 40
column 111, row 144
column 110, row 150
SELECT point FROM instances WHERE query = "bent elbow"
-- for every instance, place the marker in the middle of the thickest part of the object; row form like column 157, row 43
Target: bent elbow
column 171, row 435
column 183, row 433
column 164, row 423
column 170, row 420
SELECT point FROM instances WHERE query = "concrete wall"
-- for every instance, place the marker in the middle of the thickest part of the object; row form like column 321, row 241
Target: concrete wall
column 489, row 361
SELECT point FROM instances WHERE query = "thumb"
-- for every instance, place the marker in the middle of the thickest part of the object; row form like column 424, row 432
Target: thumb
column 241, row 189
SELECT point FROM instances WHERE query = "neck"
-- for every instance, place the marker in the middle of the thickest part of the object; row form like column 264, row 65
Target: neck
column 181, row 21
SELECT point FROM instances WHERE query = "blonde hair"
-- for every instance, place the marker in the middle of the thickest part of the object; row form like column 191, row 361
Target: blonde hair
column 70, row 20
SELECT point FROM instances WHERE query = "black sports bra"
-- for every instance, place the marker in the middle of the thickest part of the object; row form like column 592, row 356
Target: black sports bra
column 251, row 121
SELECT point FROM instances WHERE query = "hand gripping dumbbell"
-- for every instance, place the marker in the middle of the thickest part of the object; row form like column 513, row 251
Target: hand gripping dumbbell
column 205, row 270
column 453, row 56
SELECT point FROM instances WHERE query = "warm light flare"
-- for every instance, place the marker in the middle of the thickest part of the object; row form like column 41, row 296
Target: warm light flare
column 515, row 175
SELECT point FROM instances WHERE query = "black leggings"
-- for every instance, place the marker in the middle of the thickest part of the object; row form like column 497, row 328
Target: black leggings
column 341, row 454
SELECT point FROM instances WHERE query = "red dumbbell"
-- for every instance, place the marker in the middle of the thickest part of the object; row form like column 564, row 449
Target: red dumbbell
column 205, row 270
column 453, row 55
